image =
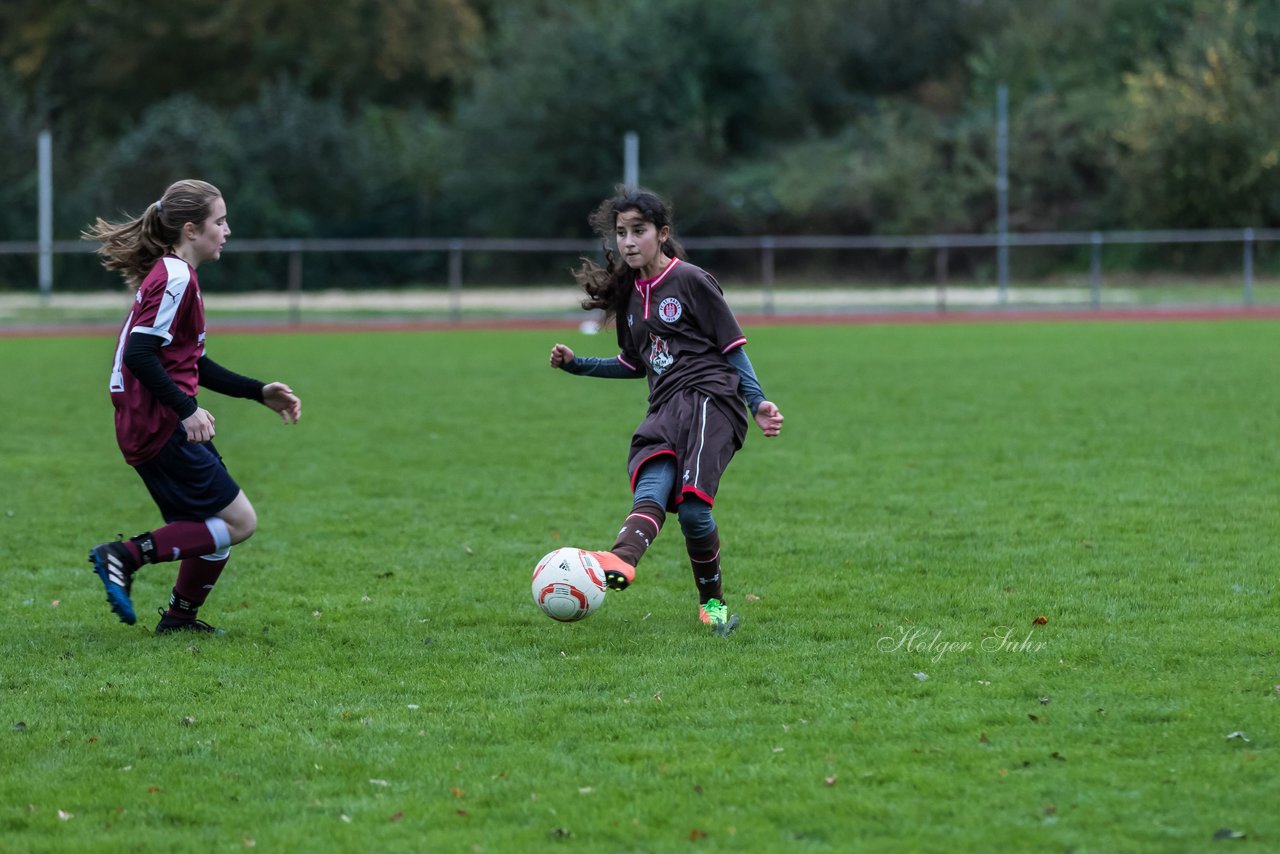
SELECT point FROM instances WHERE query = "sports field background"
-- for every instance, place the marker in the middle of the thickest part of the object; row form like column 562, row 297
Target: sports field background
column 1002, row 586
column 28, row 310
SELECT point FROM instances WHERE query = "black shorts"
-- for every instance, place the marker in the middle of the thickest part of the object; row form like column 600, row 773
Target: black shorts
column 188, row 482
column 694, row 428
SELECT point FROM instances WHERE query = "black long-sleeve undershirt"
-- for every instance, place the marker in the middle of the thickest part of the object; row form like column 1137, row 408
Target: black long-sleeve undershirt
column 142, row 358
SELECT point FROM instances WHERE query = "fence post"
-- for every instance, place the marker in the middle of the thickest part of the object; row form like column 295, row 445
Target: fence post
column 766, row 272
column 1095, row 269
column 455, row 280
column 295, row 287
column 1248, row 267
column 940, row 263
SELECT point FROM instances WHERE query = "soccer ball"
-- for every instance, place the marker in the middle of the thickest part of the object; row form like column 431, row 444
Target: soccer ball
column 568, row 585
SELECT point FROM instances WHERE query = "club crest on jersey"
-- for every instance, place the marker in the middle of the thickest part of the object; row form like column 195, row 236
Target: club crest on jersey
column 670, row 309
column 660, row 358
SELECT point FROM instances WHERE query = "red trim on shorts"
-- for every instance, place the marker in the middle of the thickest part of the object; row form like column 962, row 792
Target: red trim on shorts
column 711, row 502
column 640, row 465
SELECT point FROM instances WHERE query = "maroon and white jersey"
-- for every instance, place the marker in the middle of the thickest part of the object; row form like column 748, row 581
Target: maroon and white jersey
column 677, row 329
column 167, row 305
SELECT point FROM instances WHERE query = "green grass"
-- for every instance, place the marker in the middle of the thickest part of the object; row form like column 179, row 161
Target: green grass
column 386, row 683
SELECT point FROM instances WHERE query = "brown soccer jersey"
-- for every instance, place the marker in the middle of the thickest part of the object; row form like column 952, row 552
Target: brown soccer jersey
column 167, row 305
column 677, row 329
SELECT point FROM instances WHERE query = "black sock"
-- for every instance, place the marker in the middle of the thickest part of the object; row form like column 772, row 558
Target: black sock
column 181, row 608
column 704, row 558
column 639, row 531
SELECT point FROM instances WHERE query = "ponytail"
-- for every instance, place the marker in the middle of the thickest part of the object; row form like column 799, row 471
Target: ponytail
column 132, row 247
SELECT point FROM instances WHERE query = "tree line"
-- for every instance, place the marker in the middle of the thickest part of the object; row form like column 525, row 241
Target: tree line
column 490, row 118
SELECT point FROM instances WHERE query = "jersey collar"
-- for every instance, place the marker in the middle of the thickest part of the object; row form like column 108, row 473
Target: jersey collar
column 645, row 286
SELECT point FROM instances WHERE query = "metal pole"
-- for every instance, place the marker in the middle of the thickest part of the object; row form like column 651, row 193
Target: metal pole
column 1002, row 190
column 1095, row 269
column 766, row 272
column 295, row 287
column 455, row 280
column 44, row 147
column 631, row 159
column 1248, row 267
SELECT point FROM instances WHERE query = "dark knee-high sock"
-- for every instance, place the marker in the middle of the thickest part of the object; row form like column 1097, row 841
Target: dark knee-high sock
column 174, row 541
column 196, row 577
column 704, row 557
column 639, row 531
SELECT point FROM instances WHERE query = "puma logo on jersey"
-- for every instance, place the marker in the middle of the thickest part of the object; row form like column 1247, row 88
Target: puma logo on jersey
column 173, row 295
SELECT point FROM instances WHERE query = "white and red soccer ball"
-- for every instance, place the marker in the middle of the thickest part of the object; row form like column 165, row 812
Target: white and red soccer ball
column 568, row 585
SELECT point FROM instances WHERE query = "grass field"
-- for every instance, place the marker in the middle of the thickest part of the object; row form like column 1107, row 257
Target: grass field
column 386, row 684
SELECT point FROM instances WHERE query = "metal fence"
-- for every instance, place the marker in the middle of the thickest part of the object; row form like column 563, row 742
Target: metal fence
column 766, row 247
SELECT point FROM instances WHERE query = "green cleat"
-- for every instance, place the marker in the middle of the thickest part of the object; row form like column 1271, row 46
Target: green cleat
column 716, row 615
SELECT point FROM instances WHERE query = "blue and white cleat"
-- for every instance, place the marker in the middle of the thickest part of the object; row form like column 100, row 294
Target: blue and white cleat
column 115, row 566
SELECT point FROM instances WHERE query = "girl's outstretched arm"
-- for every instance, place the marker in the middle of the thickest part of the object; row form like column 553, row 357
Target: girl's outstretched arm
column 562, row 357
column 769, row 418
column 280, row 398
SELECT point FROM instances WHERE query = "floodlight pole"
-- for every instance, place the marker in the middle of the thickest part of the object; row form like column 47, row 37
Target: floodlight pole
column 1002, row 190
column 44, row 149
column 631, row 159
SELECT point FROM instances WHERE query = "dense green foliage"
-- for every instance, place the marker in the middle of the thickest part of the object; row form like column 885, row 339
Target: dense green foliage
column 488, row 118
column 387, row 685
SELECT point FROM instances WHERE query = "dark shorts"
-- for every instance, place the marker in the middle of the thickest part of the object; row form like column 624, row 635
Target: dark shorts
column 188, row 482
column 695, row 429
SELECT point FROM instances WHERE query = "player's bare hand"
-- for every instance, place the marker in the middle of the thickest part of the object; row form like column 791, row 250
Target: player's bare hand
column 280, row 398
column 769, row 418
column 199, row 426
column 561, row 355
